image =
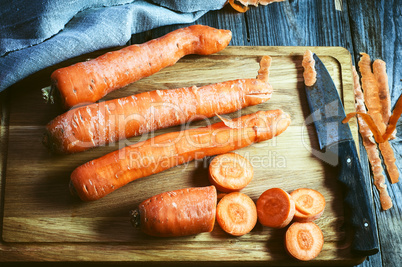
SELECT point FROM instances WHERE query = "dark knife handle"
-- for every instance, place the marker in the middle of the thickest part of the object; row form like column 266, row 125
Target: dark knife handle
column 365, row 240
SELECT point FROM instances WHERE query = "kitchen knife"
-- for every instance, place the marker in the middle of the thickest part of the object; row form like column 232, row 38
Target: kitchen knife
column 338, row 149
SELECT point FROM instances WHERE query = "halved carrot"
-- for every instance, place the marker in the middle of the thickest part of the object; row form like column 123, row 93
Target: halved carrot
column 275, row 208
column 310, row 204
column 180, row 212
column 230, row 172
column 236, row 214
column 304, row 241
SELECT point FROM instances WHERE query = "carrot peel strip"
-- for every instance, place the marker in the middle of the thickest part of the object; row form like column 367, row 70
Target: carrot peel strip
column 370, row 122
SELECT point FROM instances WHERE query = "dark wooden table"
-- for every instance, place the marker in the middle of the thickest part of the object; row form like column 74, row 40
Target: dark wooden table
column 373, row 27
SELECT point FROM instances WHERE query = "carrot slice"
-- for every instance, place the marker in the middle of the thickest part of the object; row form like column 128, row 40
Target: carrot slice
column 310, row 204
column 236, row 214
column 304, row 241
column 275, row 208
column 230, row 172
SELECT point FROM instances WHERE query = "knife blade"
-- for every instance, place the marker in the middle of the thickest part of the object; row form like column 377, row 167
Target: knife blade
column 338, row 149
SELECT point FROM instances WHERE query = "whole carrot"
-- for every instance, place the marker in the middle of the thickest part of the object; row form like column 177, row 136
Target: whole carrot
column 180, row 212
column 87, row 82
column 101, row 123
column 97, row 178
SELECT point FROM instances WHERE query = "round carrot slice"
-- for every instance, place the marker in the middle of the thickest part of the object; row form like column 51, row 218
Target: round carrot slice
column 230, row 172
column 275, row 208
column 236, row 214
column 310, row 204
column 304, row 241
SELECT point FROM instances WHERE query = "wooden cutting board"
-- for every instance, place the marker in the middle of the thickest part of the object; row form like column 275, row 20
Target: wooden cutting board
column 42, row 221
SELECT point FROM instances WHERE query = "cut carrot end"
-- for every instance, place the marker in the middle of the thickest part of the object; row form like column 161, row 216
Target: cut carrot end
column 304, row 241
column 310, row 204
column 238, row 7
column 230, row 172
column 275, row 208
column 236, row 214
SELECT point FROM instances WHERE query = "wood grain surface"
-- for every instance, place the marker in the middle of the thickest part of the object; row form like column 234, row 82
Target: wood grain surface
column 40, row 216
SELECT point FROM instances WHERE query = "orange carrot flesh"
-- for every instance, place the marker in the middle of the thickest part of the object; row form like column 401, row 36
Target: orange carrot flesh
column 175, row 213
column 372, row 98
column 310, row 204
column 101, row 123
column 304, row 241
column 236, row 214
column 238, row 7
column 99, row 177
column 275, row 208
column 230, row 172
column 309, row 73
column 87, row 82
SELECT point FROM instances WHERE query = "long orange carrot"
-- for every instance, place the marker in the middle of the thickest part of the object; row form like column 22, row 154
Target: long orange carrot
column 99, row 177
column 87, row 82
column 101, row 123
column 371, row 146
column 180, row 212
column 373, row 103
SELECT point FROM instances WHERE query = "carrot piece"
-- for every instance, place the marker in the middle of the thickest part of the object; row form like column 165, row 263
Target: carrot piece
column 309, row 74
column 370, row 146
column 98, row 124
column 238, row 7
column 177, row 213
column 275, row 208
column 393, row 120
column 236, row 214
column 99, row 177
column 310, row 204
column 380, row 74
column 373, row 102
column 89, row 81
column 304, row 241
column 230, row 172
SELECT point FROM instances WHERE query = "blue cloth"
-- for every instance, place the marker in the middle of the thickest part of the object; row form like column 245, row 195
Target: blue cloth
column 36, row 34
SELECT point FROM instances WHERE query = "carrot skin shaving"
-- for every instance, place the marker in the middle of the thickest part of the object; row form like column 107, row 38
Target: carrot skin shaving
column 370, row 145
column 369, row 122
column 101, row 123
column 175, row 213
column 380, row 73
column 396, row 114
column 86, row 82
column 236, row 214
column 309, row 74
column 275, row 208
column 230, row 172
column 237, row 7
column 304, row 241
column 99, row 177
column 373, row 102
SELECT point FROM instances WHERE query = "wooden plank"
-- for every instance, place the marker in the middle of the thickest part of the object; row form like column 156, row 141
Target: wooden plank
column 376, row 27
column 40, row 214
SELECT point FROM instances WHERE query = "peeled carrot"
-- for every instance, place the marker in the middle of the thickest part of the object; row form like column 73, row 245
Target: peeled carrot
column 99, row 177
column 87, row 82
column 180, row 212
column 236, row 214
column 230, row 172
column 310, row 204
column 304, row 241
column 275, row 208
column 101, row 123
